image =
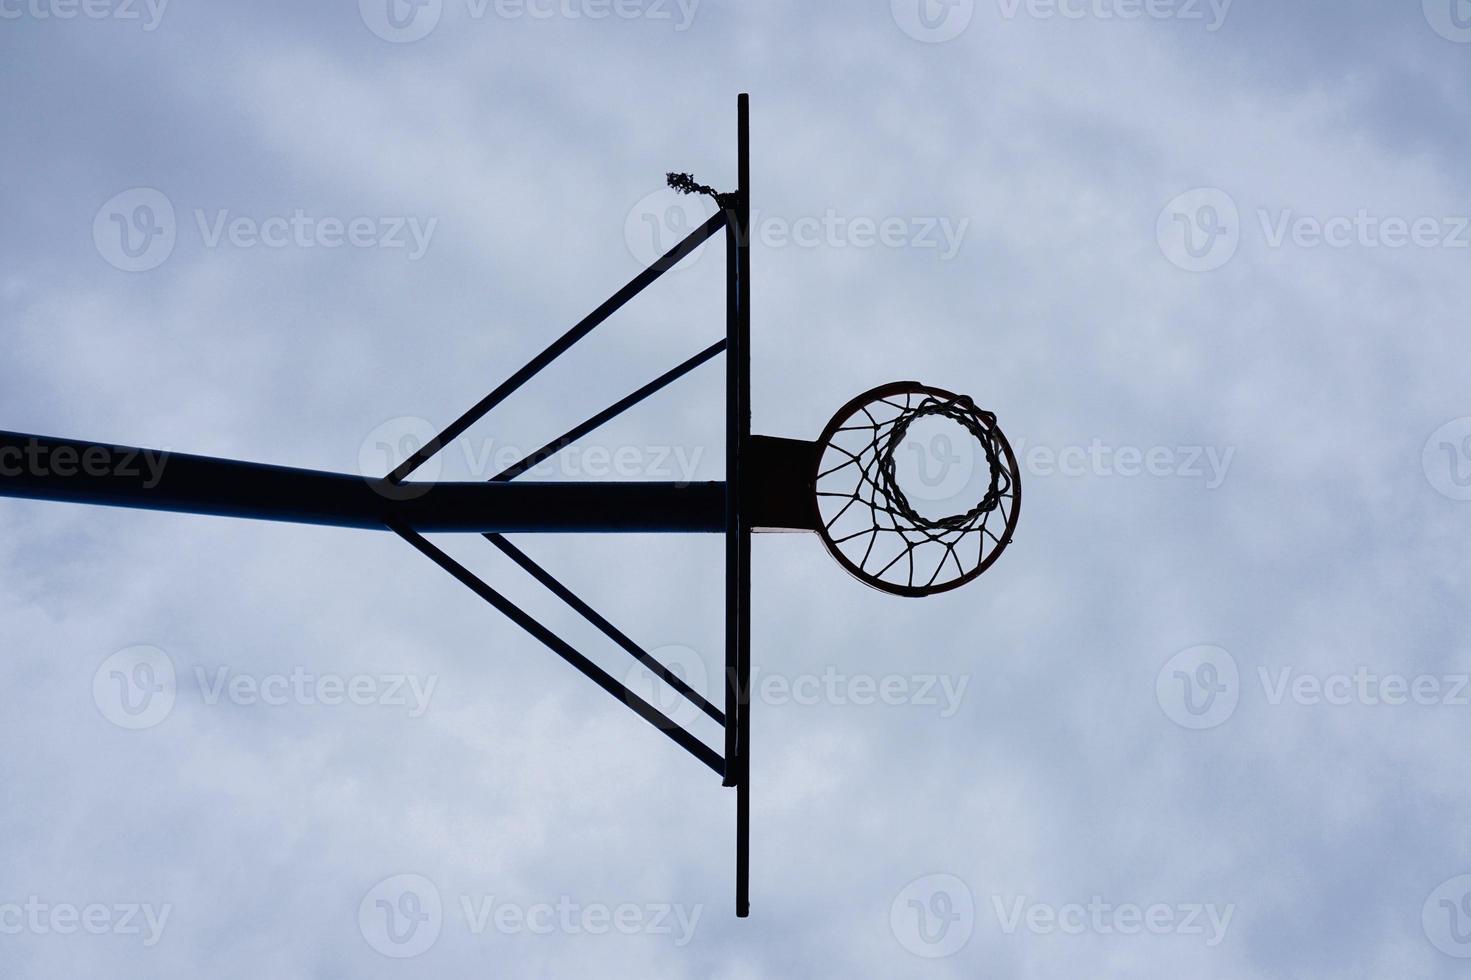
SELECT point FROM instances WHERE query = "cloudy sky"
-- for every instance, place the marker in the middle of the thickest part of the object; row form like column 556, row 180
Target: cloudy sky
column 1206, row 261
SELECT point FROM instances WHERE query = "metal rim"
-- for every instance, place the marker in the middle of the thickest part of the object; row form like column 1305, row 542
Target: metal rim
column 887, row 391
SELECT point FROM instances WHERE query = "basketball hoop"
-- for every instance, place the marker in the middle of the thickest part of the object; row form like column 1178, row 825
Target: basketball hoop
column 869, row 523
column 850, row 487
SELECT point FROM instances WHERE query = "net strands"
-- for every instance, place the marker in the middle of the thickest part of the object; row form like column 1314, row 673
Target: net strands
column 870, row 518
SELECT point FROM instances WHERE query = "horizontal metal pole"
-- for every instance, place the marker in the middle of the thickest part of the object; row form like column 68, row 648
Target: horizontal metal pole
column 44, row 468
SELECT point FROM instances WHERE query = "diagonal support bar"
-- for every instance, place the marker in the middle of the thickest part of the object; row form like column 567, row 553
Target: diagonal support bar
column 564, row 650
column 608, row 629
column 607, row 414
column 560, row 346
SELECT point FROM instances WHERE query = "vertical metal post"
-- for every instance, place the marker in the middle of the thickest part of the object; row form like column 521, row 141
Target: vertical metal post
column 732, row 497
column 738, row 535
column 742, row 360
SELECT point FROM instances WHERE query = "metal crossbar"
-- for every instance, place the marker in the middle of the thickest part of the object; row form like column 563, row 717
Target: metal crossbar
column 564, row 650
column 608, row 629
column 607, row 414
column 558, row 347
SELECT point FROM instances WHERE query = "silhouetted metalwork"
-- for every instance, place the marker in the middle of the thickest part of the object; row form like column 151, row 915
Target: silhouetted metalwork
column 771, row 484
column 869, row 523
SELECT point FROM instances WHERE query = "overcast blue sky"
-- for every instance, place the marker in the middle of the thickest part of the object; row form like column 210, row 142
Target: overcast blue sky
column 1206, row 261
